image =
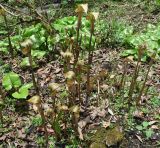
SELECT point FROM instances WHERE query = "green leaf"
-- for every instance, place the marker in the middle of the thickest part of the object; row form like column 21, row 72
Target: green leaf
column 31, row 30
column 149, row 133
column 23, row 91
column 25, row 63
column 139, row 127
column 11, row 80
column 145, row 124
column 128, row 52
column 38, row 53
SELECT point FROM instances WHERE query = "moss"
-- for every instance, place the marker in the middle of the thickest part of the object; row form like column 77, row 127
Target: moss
column 107, row 137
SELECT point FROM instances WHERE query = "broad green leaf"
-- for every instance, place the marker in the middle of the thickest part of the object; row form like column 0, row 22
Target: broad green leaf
column 145, row 124
column 139, row 127
column 31, row 30
column 23, row 91
column 4, row 50
column 38, row 53
column 11, row 80
column 128, row 52
column 149, row 133
column 25, row 63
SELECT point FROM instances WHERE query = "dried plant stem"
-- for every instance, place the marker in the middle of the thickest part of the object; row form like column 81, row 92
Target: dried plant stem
column 144, row 84
column 32, row 72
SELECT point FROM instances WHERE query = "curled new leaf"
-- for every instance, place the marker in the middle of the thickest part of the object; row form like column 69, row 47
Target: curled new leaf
column 67, row 55
column 54, row 87
column 82, row 8
column 75, row 109
column 35, row 100
column 26, row 46
column 63, row 107
column 69, row 75
column 80, row 62
column 93, row 16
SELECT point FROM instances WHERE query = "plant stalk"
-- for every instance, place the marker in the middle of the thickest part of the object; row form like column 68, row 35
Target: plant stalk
column 32, row 72
column 133, row 81
column 8, row 36
column 144, row 84
column 90, row 55
column 43, row 122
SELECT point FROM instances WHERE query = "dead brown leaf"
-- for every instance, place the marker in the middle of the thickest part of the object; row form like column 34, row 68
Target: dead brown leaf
column 81, row 126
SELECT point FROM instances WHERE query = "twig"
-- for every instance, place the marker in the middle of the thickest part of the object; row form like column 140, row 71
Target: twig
column 2, row 7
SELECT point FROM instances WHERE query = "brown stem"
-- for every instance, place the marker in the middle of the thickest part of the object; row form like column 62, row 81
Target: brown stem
column 90, row 55
column 123, row 76
column 32, row 72
column 1, row 93
column 1, row 117
column 77, row 46
column 144, row 84
column 133, row 82
column 43, row 123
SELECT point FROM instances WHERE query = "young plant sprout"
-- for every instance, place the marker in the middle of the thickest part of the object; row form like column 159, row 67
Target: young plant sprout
column 26, row 50
column 122, row 82
column 145, row 80
column 3, row 13
column 54, row 89
column 67, row 58
column 79, row 70
column 71, row 85
column 82, row 8
column 36, row 101
column 92, row 17
column 75, row 116
column 135, row 75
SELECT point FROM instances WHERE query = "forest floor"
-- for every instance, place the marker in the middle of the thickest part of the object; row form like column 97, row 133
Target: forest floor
column 22, row 126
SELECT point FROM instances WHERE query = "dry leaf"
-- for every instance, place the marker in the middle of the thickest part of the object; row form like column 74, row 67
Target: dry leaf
column 153, row 122
column 138, row 114
column 154, row 127
column 110, row 111
column 98, row 112
column 139, row 138
column 106, row 124
column 35, row 100
column 35, row 108
column 112, row 76
column 81, row 125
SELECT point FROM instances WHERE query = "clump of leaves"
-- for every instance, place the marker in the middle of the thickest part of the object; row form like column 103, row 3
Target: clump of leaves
column 145, row 128
column 12, row 81
column 150, row 37
column 112, row 33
